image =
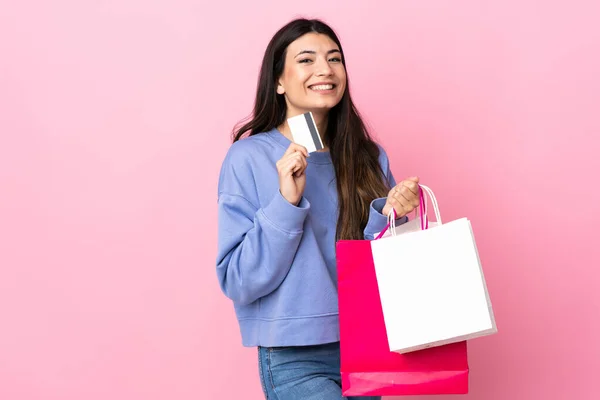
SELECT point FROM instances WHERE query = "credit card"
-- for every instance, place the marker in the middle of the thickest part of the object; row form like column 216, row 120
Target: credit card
column 304, row 132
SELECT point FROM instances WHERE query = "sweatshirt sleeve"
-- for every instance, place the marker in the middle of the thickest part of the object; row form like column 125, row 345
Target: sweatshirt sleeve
column 378, row 221
column 256, row 246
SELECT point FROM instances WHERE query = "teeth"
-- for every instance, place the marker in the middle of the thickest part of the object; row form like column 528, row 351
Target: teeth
column 322, row 87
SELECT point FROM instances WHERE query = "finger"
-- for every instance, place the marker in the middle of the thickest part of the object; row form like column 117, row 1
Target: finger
column 292, row 167
column 281, row 164
column 301, row 149
column 303, row 168
column 411, row 185
column 300, row 157
column 292, row 155
column 410, row 197
column 404, row 202
column 393, row 202
column 300, row 170
column 400, row 210
column 293, row 147
column 399, row 203
column 405, row 199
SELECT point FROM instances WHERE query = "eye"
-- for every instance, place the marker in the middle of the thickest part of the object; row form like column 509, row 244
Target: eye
column 305, row 61
column 335, row 59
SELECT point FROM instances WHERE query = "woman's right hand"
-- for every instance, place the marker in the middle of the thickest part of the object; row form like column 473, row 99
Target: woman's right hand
column 292, row 173
column 403, row 198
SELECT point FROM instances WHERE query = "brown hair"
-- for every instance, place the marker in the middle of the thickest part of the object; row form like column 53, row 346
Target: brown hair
column 354, row 154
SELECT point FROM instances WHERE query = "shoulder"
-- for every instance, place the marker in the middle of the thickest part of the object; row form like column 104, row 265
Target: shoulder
column 249, row 150
column 246, row 160
column 384, row 160
column 245, row 147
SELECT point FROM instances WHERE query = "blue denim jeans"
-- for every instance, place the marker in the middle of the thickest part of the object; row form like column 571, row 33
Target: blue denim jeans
column 302, row 373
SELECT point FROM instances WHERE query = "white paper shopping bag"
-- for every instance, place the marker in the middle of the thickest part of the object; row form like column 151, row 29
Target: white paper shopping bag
column 431, row 284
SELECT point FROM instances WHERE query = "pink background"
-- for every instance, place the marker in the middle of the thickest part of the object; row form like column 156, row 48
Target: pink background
column 114, row 119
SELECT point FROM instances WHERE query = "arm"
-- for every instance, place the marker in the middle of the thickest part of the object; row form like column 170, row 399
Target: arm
column 256, row 246
column 377, row 220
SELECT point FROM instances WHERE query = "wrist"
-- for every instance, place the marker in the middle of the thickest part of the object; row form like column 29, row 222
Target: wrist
column 386, row 209
column 291, row 201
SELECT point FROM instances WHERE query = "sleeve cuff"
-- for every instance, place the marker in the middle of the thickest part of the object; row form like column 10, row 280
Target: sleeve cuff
column 378, row 221
column 285, row 216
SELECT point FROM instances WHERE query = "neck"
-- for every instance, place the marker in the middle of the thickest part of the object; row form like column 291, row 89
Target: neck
column 320, row 120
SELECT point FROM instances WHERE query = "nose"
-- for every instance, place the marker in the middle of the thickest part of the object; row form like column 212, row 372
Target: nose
column 323, row 67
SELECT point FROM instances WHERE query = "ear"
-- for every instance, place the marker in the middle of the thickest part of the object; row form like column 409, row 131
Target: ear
column 280, row 89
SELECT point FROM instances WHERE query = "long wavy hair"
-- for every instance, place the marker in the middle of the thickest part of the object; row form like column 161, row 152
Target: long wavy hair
column 354, row 154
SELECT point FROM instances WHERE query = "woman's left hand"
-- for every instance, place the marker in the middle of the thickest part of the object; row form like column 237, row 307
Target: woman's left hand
column 403, row 198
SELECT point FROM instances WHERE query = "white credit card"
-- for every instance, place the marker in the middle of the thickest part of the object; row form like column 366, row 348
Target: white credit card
column 304, row 132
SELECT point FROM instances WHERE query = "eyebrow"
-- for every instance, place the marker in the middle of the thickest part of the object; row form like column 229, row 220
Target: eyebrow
column 314, row 52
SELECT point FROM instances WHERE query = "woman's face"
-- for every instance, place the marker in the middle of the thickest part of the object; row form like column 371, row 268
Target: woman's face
column 313, row 78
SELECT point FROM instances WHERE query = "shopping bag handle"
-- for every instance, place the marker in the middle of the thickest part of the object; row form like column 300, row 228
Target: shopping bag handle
column 436, row 208
column 422, row 212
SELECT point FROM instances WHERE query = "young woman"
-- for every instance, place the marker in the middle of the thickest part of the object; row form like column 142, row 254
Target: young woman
column 281, row 211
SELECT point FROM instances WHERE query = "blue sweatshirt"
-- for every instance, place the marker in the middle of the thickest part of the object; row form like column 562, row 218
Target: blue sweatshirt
column 276, row 261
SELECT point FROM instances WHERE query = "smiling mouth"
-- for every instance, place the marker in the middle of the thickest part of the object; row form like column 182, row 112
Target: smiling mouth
column 322, row 87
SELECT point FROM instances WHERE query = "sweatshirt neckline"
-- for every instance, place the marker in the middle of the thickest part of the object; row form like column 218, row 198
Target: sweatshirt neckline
column 316, row 157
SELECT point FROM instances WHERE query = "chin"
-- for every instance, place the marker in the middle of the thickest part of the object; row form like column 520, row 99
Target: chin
column 324, row 106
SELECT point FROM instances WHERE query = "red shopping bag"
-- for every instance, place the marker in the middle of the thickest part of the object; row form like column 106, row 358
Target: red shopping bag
column 368, row 367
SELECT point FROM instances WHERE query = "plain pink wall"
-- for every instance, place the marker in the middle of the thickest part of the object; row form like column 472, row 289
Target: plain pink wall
column 114, row 118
